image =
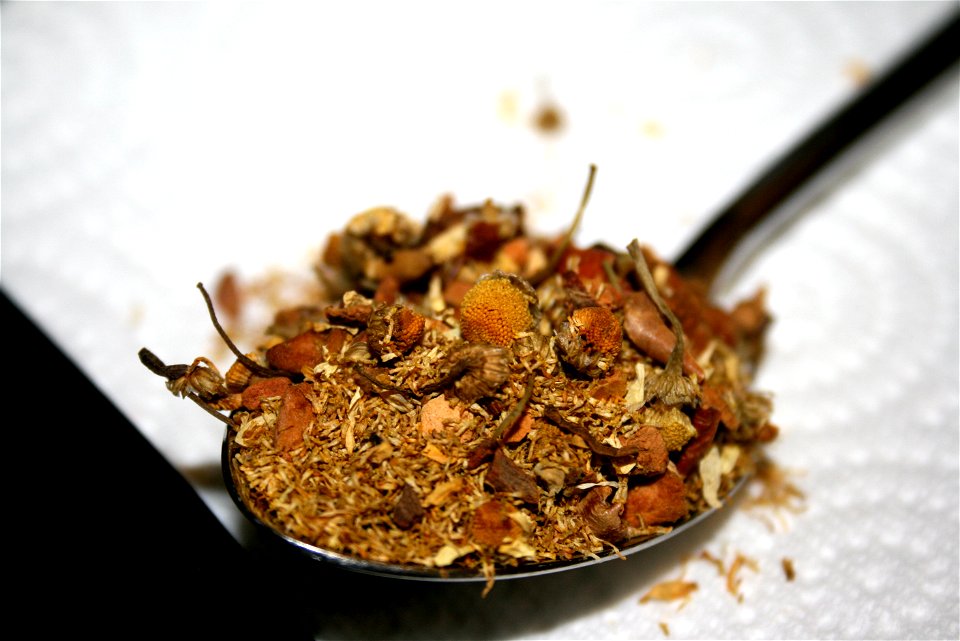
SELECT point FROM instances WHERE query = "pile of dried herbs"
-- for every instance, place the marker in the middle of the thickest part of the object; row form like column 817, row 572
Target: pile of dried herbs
column 477, row 397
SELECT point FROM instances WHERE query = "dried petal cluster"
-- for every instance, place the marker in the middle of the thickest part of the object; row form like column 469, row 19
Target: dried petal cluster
column 469, row 395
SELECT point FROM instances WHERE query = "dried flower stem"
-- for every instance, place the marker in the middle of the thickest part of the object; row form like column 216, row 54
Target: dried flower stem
column 153, row 363
column 362, row 371
column 670, row 386
column 612, row 276
column 514, row 415
column 247, row 362
column 172, row 372
column 554, row 416
column 551, row 266
column 458, row 368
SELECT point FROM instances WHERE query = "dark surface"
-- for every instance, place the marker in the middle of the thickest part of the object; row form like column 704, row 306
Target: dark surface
column 116, row 541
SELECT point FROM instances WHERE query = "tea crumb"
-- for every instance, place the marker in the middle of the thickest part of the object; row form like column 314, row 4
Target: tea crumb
column 664, row 628
column 672, row 590
column 228, row 296
column 734, row 579
column 858, row 72
column 788, row 570
column 548, row 119
column 774, row 494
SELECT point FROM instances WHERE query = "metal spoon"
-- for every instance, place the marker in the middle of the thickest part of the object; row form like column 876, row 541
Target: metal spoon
column 775, row 197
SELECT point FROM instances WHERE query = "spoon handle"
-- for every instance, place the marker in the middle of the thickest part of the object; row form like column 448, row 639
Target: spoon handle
column 782, row 180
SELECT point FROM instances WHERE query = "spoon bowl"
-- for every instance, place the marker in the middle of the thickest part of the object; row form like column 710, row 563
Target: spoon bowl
column 241, row 498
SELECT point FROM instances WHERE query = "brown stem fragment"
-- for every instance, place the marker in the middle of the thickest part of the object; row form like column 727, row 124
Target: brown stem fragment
column 153, row 363
column 670, row 386
column 173, row 372
column 551, row 267
column 595, row 446
column 514, row 414
column 491, row 445
column 249, row 363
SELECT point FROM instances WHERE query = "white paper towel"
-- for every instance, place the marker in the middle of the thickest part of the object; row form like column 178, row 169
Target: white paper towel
column 149, row 146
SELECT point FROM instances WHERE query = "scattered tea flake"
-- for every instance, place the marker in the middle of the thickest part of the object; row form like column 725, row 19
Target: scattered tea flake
column 715, row 561
column 432, row 452
column 635, row 395
column 788, row 570
column 548, row 118
column 773, row 489
column 518, row 549
column 449, row 553
column 734, row 579
column 407, row 511
column 858, row 72
column 664, row 628
column 672, row 590
column 437, row 414
column 229, row 295
column 443, row 491
column 710, row 470
column 729, row 456
column 506, row 476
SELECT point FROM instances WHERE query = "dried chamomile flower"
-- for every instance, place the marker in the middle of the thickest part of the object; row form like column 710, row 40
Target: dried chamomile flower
column 202, row 378
column 371, row 236
column 675, row 426
column 590, row 340
column 393, row 330
column 485, row 368
column 497, row 308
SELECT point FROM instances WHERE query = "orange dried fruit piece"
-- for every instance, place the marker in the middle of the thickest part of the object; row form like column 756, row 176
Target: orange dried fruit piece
column 660, row 502
column 491, row 524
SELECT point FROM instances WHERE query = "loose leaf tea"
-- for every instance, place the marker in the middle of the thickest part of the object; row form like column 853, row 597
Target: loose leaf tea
column 473, row 396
